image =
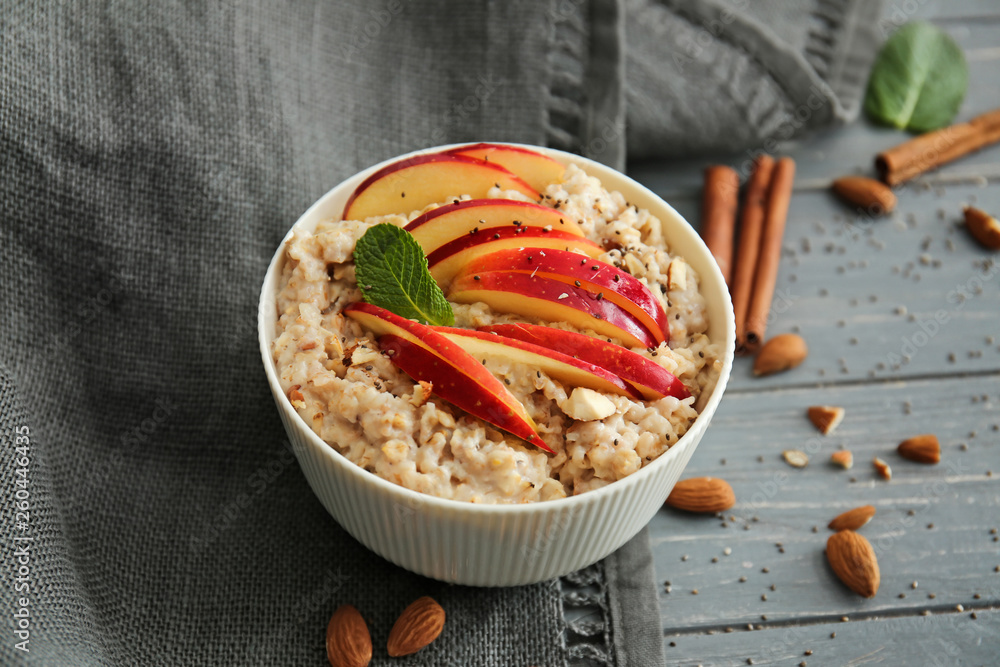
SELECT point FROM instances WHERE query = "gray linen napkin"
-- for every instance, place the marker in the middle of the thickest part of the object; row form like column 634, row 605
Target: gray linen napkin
column 724, row 76
column 153, row 157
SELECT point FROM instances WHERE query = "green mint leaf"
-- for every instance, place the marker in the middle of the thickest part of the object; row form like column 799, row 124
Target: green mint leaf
column 918, row 80
column 392, row 273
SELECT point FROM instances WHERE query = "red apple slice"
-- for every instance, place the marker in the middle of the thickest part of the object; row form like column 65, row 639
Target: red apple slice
column 454, row 256
column 649, row 378
column 415, row 182
column 456, row 375
column 536, row 169
column 595, row 276
column 444, row 224
column 552, row 301
column 563, row 367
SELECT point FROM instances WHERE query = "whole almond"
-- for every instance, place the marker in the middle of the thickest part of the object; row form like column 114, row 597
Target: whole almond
column 782, row 352
column 921, row 448
column 873, row 196
column 852, row 519
column 416, row 627
column 842, row 458
column 983, row 227
column 853, row 561
column 702, row 494
column 348, row 643
column 825, row 417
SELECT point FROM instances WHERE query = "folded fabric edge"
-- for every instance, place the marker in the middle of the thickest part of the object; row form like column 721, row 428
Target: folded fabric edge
column 586, row 98
column 632, row 600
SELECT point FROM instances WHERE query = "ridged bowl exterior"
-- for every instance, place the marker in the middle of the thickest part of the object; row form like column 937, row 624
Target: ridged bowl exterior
column 497, row 545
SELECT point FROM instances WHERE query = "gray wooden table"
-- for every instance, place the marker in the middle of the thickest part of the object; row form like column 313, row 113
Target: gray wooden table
column 868, row 297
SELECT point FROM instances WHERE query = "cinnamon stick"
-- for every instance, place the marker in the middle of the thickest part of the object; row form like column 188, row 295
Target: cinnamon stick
column 934, row 149
column 748, row 246
column 718, row 215
column 766, row 275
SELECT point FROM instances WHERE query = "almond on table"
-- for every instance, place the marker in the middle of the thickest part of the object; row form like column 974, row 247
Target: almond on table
column 853, row 560
column 825, row 417
column 873, row 196
column 795, row 458
column 702, row 494
column 921, row 449
column 780, row 353
column 852, row 519
column 843, row 458
column 983, row 227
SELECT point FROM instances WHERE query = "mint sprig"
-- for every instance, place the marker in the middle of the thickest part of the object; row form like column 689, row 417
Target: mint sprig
column 392, row 273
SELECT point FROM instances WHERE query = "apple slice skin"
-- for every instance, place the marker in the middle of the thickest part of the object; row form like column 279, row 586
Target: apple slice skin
column 596, row 276
column 648, row 377
column 577, row 372
column 550, row 300
column 428, row 179
column 454, row 256
column 438, row 226
column 424, row 354
column 536, row 169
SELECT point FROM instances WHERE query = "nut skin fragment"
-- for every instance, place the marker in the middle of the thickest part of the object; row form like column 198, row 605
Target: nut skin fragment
column 780, row 353
column 921, row 449
column 843, row 458
column 421, row 393
column 983, row 227
column 348, row 642
column 795, row 458
column 702, row 494
column 852, row 519
column 873, row 196
column 418, row 625
column 825, row 417
column 882, row 468
column 853, row 560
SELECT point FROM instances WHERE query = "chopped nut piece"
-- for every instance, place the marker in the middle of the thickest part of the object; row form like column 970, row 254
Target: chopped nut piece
column 825, row 417
column 795, row 458
column 421, row 392
column 882, row 468
column 842, row 458
column 677, row 274
column 587, row 405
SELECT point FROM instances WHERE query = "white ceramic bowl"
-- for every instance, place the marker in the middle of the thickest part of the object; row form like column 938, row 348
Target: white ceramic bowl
column 497, row 545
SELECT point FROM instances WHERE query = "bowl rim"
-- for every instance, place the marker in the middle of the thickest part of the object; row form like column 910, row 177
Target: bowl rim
column 409, row 496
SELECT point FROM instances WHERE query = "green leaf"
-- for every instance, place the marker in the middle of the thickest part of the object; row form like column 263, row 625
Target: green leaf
column 918, row 80
column 392, row 273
